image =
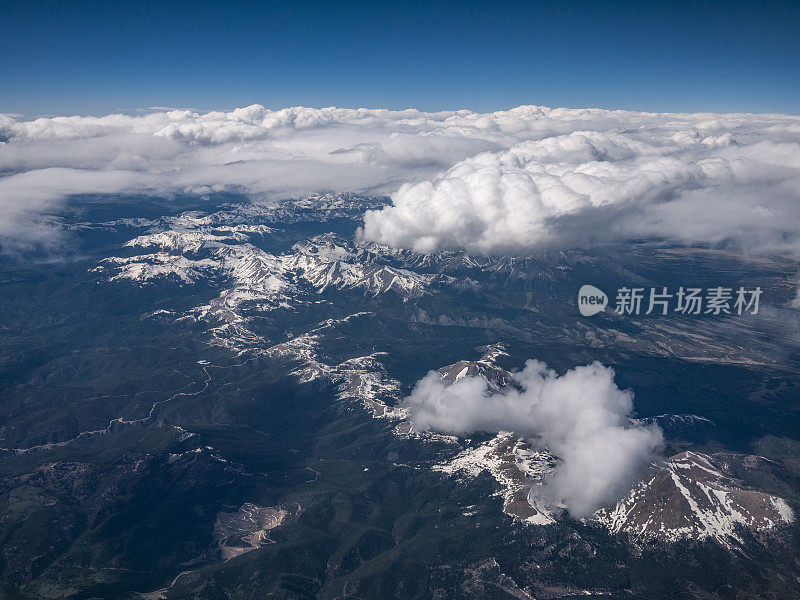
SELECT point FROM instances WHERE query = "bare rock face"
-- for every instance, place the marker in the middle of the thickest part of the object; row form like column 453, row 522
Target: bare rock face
column 698, row 496
column 484, row 367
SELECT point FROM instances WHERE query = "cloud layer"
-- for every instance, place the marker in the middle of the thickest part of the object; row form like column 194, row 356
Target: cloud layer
column 581, row 416
column 509, row 180
column 714, row 182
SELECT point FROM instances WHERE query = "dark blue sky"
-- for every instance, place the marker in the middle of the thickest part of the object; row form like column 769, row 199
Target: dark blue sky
column 98, row 57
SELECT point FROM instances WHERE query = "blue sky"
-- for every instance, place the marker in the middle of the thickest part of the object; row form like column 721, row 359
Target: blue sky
column 100, row 57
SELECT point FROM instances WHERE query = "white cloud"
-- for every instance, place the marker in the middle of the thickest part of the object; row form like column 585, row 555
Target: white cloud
column 581, row 416
column 609, row 185
column 25, row 223
column 508, row 180
column 261, row 152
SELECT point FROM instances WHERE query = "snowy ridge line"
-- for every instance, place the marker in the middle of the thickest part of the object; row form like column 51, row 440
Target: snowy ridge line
column 516, row 468
column 214, row 249
column 667, row 506
column 689, row 496
column 219, row 249
column 362, row 378
column 707, row 502
column 513, row 462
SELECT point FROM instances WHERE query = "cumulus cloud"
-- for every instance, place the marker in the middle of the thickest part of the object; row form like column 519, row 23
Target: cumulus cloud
column 581, row 416
column 484, row 182
column 668, row 182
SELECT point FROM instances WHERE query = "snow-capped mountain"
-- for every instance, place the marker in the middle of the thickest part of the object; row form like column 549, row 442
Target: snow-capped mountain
column 485, row 367
column 698, row 496
column 217, row 250
column 690, row 496
column 235, row 363
column 323, row 262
